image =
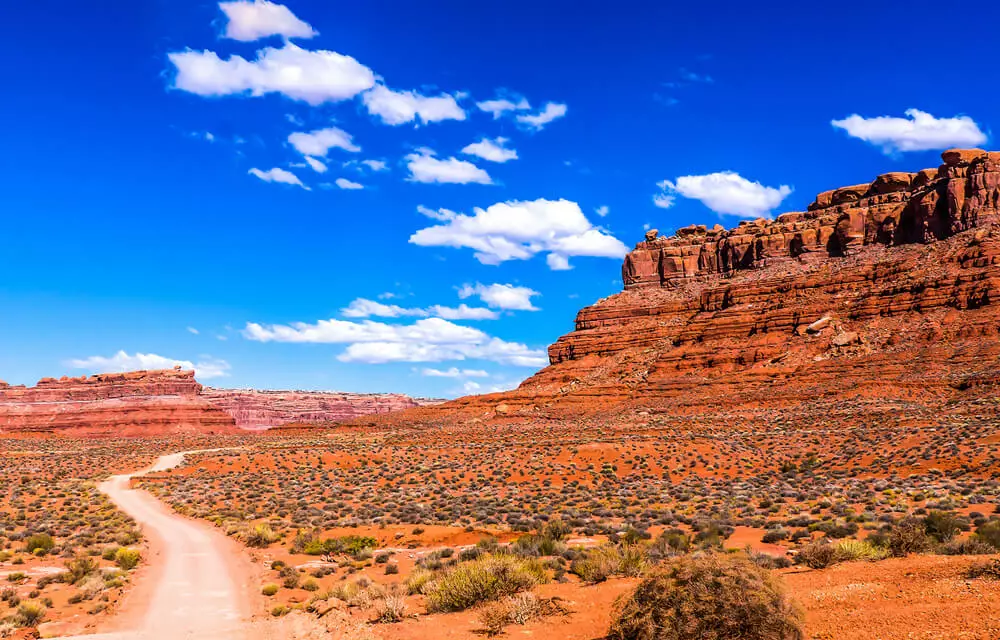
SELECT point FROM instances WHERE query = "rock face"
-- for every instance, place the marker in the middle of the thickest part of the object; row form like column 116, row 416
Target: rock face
column 252, row 409
column 884, row 294
column 138, row 403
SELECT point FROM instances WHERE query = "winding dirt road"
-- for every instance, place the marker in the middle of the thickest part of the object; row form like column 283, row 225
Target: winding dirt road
column 196, row 583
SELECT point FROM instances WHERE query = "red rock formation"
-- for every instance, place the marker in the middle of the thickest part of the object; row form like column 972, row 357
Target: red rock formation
column 880, row 295
column 254, row 409
column 138, row 403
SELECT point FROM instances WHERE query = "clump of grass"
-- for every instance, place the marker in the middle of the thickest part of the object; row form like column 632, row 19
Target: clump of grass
column 390, row 608
column 419, row 581
column 30, row 613
column 258, row 536
column 597, row 565
column 817, row 555
column 849, row 550
column 269, row 589
column 716, row 596
column 483, row 580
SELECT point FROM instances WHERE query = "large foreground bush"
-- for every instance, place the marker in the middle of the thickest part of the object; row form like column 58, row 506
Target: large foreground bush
column 713, row 597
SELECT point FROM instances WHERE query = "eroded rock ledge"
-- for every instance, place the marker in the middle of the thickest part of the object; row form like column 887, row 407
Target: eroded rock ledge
column 895, row 209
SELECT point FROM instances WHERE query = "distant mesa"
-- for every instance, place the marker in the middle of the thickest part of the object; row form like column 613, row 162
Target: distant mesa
column 880, row 295
column 170, row 401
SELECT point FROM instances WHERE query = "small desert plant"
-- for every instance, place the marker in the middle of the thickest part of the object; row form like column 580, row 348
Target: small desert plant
column 941, row 526
column 989, row 570
column 989, row 533
column 40, row 542
column 418, row 581
column 715, row 596
column 482, row 580
column 269, row 589
column 909, row 535
column 127, row 558
column 849, row 550
column 17, row 576
column 258, row 536
column 969, row 547
column 817, row 555
column 30, row 613
column 391, row 608
column 79, row 568
column 599, row 564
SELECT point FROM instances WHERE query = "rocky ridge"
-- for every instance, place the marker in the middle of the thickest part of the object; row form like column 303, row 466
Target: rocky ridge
column 881, row 295
column 255, row 409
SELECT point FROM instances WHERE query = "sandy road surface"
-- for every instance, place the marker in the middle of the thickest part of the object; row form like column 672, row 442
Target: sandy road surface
column 196, row 584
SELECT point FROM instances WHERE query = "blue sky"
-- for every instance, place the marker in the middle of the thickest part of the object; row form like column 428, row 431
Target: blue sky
column 157, row 200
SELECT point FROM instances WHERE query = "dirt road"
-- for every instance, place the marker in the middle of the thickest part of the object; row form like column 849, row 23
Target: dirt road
column 196, row 583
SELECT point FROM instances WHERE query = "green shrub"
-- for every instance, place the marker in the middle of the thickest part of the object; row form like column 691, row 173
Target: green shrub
column 17, row 576
column 39, row 542
column 269, row 589
column 941, row 526
column 127, row 558
column 483, row 580
column 717, row 597
column 969, row 547
column 418, row 581
column 79, row 568
column 989, row 533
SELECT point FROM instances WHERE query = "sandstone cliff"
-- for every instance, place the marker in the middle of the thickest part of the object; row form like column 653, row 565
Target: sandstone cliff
column 253, row 409
column 138, row 403
column 881, row 296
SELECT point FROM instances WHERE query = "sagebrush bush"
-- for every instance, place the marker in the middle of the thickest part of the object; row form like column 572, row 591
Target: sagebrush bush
column 127, row 558
column 909, row 535
column 30, row 613
column 483, row 580
column 817, row 555
column 711, row 597
column 40, row 542
column 258, row 536
column 989, row 533
column 269, row 589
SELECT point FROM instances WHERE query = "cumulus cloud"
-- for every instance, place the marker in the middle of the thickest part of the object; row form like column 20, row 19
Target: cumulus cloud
column 364, row 308
column 278, row 175
column 250, row 21
column 318, row 143
column 454, row 372
column 603, row 210
column 399, row 107
column 425, row 167
column 500, row 106
column 344, row 183
column 519, row 230
column 375, row 165
column 426, row 340
column 501, row 296
column 492, row 150
column 725, row 192
column 313, row 77
column 122, row 361
column 537, row 121
column 315, row 164
column 918, row 131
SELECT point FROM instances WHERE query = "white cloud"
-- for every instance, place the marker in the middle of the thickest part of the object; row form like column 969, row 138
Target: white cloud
column 193, row 331
column 424, row 167
column 314, row 77
column 454, row 372
column 500, row 106
column 250, row 21
column 318, row 143
column 501, row 296
column 603, row 210
column 492, row 150
column 364, row 308
column 344, row 183
column 919, row 131
column 517, row 230
column 316, row 165
column 400, row 107
column 725, row 192
column 278, row 175
column 537, row 121
column 375, row 165
column 426, row 340
column 122, row 361
column 436, row 214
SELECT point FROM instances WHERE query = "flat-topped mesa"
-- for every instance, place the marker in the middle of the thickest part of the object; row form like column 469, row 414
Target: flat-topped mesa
column 105, row 386
column 895, row 209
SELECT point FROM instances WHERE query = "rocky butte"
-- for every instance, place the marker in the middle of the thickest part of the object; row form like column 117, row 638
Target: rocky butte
column 138, row 403
column 881, row 298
